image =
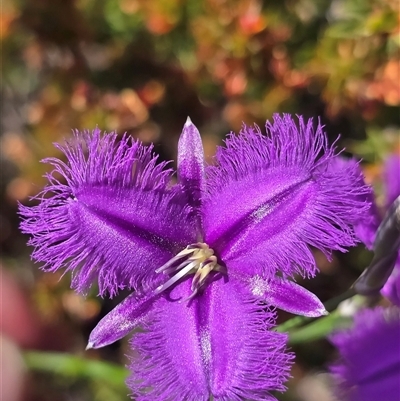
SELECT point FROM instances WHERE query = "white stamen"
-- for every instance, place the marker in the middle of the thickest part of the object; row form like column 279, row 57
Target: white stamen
column 197, row 259
column 179, row 256
column 175, row 278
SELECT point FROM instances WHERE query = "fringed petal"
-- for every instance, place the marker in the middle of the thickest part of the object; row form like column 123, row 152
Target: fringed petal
column 271, row 198
column 118, row 323
column 246, row 359
column 114, row 219
column 219, row 345
column 168, row 364
column 369, row 368
column 191, row 166
column 288, row 296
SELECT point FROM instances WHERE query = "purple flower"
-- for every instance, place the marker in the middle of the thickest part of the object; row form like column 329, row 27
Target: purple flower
column 369, row 369
column 208, row 258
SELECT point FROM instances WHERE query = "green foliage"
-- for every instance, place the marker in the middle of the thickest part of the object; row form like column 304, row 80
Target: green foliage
column 107, row 380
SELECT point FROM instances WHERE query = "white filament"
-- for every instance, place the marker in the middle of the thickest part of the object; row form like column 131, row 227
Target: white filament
column 197, row 259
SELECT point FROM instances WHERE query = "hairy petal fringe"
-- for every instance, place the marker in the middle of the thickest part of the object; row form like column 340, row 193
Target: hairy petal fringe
column 272, row 197
column 94, row 158
column 167, row 363
column 248, row 359
column 367, row 224
column 104, row 223
column 221, row 346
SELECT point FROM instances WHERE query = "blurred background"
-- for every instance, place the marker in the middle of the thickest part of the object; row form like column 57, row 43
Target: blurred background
column 142, row 67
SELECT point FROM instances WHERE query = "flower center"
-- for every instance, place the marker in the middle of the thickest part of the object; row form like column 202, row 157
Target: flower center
column 197, row 259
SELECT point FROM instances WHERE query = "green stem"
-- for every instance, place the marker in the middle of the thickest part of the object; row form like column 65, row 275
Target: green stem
column 292, row 324
column 319, row 328
column 75, row 367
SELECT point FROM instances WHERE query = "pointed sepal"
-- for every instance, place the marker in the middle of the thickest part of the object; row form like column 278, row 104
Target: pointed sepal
column 191, row 165
column 120, row 321
column 288, row 296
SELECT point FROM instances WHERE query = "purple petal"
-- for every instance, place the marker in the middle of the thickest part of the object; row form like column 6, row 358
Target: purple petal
column 113, row 221
column 271, row 198
column 125, row 317
column 168, row 362
column 191, row 165
column 219, row 345
column 288, row 296
column 392, row 179
column 246, row 359
column 370, row 356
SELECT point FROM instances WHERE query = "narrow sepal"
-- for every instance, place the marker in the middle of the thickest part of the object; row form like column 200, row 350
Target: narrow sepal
column 118, row 323
column 271, row 198
column 110, row 218
column 191, row 167
column 288, row 296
